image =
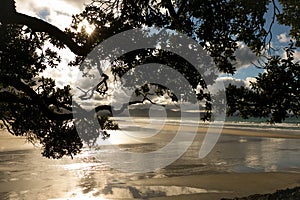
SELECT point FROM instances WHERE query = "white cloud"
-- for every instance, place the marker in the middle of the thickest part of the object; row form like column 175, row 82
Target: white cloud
column 249, row 80
column 297, row 56
column 56, row 12
column 62, row 74
column 244, row 56
column 283, row 38
column 78, row 3
column 233, row 81
column 59, row 13
column 224, row 82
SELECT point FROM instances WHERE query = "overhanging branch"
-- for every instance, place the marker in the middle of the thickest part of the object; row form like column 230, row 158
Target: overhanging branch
column 10, row 16
column 34, row 99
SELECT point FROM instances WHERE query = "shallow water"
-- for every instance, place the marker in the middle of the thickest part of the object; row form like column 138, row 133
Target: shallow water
column 24, row 174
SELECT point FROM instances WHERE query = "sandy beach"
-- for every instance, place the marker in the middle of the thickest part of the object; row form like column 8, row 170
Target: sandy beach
column 242, row 163
column 229, row 185
column 9, row 142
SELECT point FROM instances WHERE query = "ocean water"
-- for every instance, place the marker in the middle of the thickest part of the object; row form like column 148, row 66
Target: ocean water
column 290, row 125
column 25, row 174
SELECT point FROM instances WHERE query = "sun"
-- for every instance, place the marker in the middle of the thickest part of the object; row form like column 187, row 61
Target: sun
column 89, row 28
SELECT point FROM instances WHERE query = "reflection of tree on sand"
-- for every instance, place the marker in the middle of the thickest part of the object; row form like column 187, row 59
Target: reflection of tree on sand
column 88, row 182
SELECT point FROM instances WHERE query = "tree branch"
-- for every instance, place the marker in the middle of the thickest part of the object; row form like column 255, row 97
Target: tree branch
column 124, row 106
column 7, row 126
column 182, row 6
column 269, row 33
column 35, row 99
column 171, row 9
column 38, row 25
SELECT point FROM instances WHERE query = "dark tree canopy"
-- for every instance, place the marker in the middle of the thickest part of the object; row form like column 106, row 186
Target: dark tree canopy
column 32, row 105
column 274, row 95
column 290, row 17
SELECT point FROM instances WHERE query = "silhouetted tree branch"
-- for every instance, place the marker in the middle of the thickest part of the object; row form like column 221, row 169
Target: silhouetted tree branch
column 9, row 15
column 35, row 99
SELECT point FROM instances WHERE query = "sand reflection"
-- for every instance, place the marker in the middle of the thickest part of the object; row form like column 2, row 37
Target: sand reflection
column 24, row 174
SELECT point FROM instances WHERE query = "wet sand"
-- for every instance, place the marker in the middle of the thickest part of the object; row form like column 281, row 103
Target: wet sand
column 269, row 133
column 228, row 185
column 9, row 142
column 224, row 179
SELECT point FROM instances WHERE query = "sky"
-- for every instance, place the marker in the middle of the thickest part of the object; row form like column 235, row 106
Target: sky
column 59, row 12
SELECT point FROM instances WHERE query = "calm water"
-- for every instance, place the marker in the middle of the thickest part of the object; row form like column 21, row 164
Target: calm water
column 24, row 174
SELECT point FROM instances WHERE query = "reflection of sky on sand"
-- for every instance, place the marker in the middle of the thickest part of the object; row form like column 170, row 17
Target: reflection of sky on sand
column 252, row 154
column 24, row 174
column 271, row 155
column 77, row 195
column 137, row 192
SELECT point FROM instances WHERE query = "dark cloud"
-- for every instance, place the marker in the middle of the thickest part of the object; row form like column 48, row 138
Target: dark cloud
column 244, row 56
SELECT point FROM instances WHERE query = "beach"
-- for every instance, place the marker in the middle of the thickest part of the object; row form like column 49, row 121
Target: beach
column 236, row 182
column 228, row 185
column 244, row 161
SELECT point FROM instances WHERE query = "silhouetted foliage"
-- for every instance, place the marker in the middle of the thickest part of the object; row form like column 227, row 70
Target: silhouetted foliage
column 31, row 105
column 274, row 95
column 290, row 17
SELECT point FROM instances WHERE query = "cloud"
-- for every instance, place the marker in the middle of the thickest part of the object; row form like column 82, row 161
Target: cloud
column 297, row 56
column 56, row 12
column 230, row 80
column 244, row 56
column 78, row 3
column 249, row 80
column 283, row 38
column 224, row 82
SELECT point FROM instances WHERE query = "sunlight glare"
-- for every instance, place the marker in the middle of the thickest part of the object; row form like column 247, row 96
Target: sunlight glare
column 89, row 28
column 118, row 137
column 87, row 197
column 78, row 195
